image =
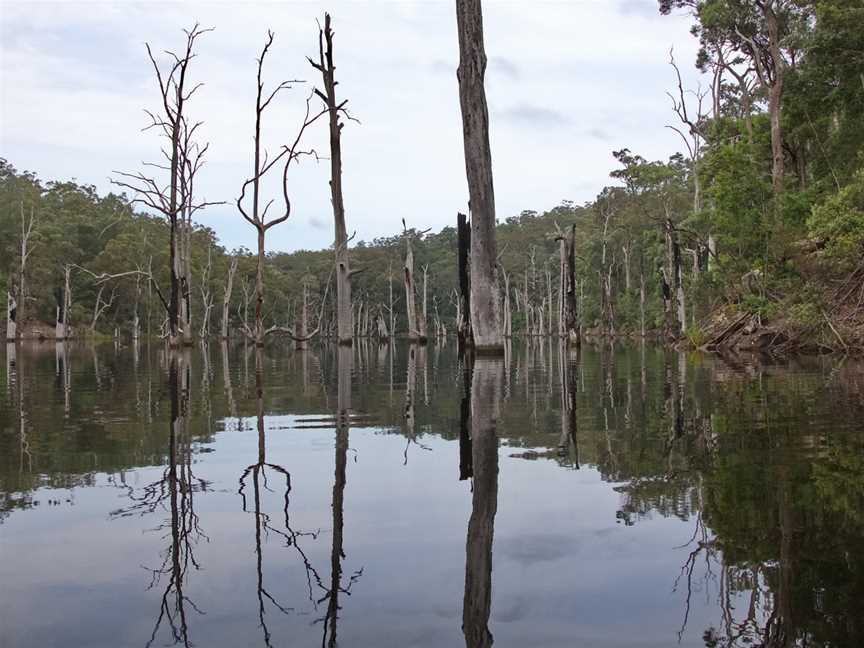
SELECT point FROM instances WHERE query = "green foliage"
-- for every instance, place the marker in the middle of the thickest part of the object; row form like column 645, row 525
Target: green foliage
column 839, row 223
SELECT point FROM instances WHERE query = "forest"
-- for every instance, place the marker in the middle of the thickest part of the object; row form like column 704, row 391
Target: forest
column 751, row 237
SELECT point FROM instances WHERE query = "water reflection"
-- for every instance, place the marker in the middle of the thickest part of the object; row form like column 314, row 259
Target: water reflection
column 726, row 495
column 485, row 411
column 174, row 493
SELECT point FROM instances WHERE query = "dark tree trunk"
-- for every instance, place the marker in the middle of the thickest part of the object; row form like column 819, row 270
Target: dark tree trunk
column 477, row 604
column 463, row 237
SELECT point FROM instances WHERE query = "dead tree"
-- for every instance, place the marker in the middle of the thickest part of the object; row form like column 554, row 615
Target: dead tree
column 568, row 317
column 101, row 305
column 693, row 125
column 334, row 109
column 485, row 319
column 226, row 295
column 11, row 316
column 507, row 326
column 16, row 296
column 416, row 320
column 64, row 305
column 173, row 199
column 463, row 305
column 257, row 214
column 302, row 325
column 673, row 288
column 391, row 311
column 206, row 295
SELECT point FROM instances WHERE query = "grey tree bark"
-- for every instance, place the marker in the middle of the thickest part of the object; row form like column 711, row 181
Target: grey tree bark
column 485, row 320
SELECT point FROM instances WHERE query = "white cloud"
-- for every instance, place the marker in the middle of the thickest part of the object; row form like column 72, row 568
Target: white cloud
column 567, row 83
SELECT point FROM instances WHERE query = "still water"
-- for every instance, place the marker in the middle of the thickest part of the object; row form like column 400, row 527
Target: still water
column 392, row 496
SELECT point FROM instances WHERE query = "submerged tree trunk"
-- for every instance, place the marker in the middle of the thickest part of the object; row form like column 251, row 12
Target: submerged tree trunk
column 485, row 320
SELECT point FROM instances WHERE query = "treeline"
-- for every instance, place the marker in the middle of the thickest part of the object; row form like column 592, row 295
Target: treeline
column 760, row 220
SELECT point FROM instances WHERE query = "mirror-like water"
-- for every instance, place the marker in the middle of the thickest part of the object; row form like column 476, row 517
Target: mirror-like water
column 383, row 496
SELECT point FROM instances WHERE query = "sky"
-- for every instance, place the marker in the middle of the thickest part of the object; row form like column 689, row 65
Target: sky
column 567, row 83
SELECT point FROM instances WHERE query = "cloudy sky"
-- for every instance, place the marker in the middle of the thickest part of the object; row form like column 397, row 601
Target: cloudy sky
column 568, row 82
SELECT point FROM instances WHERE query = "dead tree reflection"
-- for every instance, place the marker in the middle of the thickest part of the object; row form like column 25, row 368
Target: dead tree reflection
column 337, row 553
column 263, row 521
column 465, row 458
column 415, row 353
column 568, row 445
column 174, row 493
column 485, row 405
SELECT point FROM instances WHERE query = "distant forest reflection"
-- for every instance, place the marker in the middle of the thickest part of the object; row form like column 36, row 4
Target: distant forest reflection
column 333, row 489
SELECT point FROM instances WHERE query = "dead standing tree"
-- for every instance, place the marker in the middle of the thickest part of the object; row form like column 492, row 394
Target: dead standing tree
column 324, row 65
column 174, row 198
column 226, row 295
column 416, row 320
column 258, row 216
column 485, row 319
column 568, row 316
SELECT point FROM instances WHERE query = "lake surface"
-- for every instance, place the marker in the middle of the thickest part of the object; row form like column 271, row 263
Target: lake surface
column 393, row 496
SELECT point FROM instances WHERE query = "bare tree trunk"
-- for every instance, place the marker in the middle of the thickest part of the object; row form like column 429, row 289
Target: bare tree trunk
column 258, row 333
column 627, row 250
column 568, row 313
column 678, row 319
column 478, row 165
column 392, row 313
column 226, row 296
column 11, row 317
column 549, row 330
column 410, row 303
column 101, row 306
column 641, row 302
column 463, row 307
column 508, row 316
column 175, row 199
column 206, row 296
column 64, row 305
column 343, row 269
column 258, row 217
column 424, row 321
column 775, row 98
column 303, row 327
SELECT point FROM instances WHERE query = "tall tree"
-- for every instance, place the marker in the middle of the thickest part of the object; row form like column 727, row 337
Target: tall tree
column 172, row 199
column 257, row 215
column 485, row 319
column 325, row 66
